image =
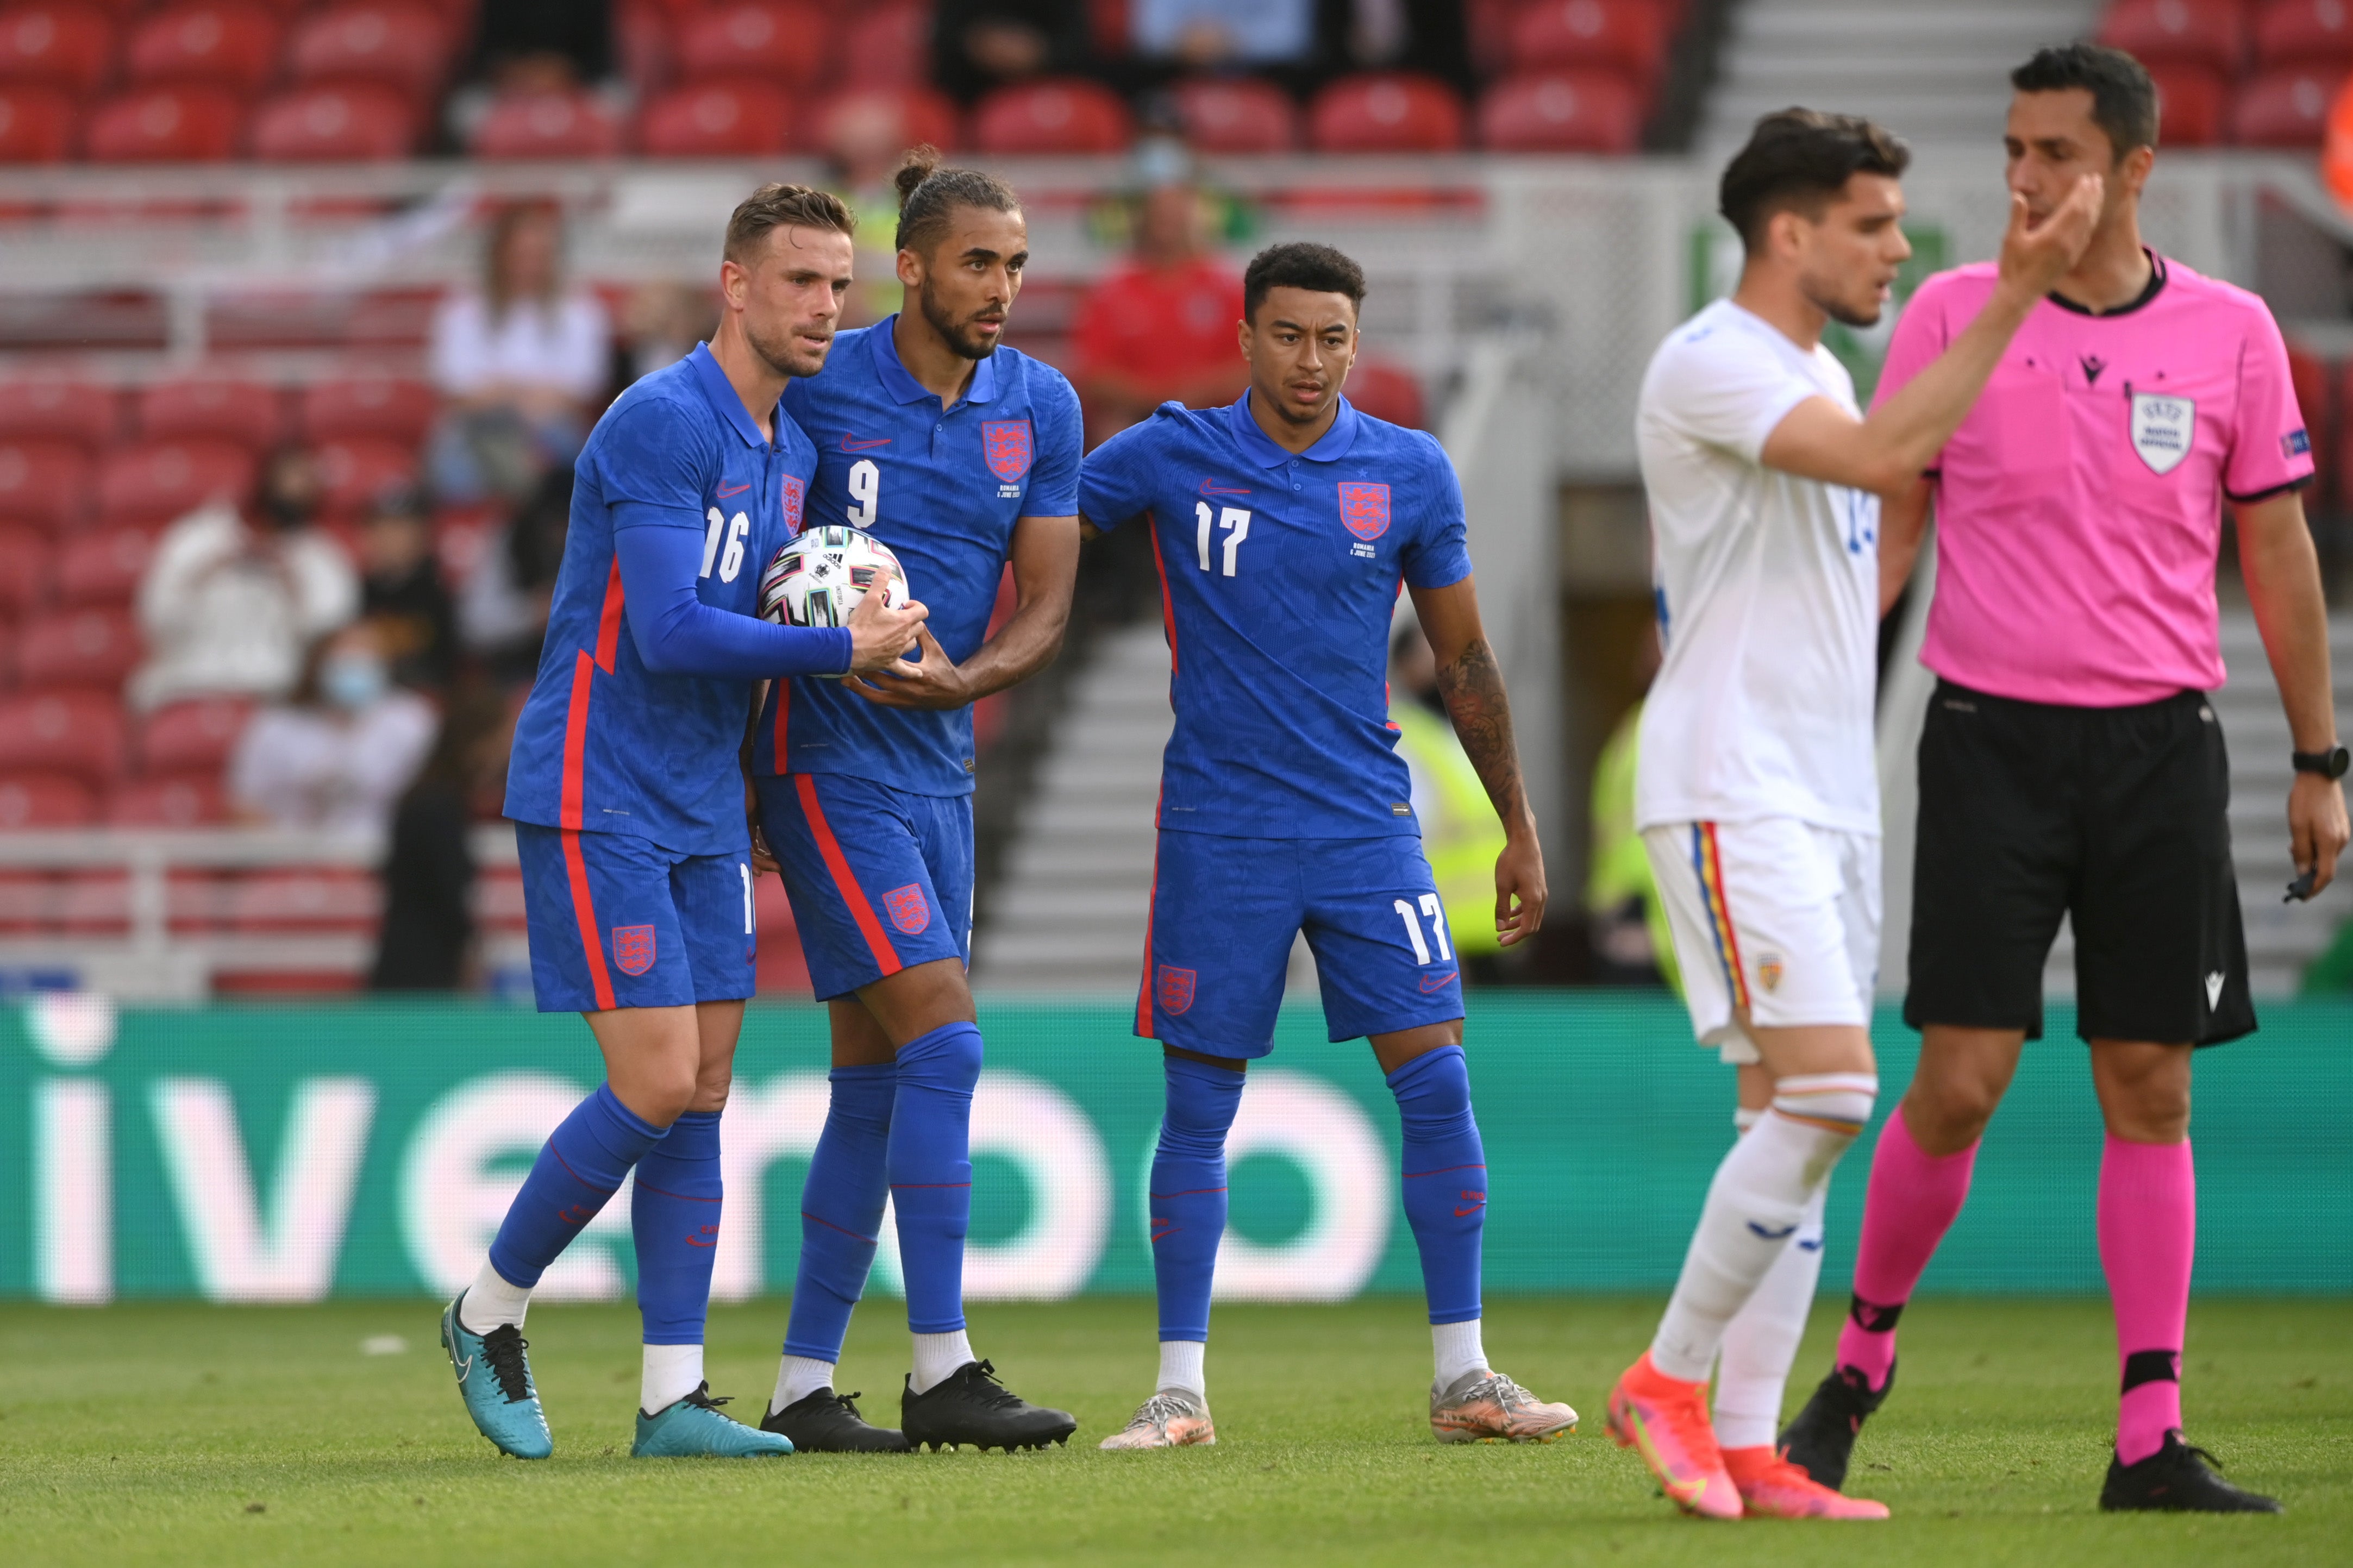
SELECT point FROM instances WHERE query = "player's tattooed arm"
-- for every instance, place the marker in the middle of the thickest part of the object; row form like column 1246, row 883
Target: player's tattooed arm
column 1471, row 684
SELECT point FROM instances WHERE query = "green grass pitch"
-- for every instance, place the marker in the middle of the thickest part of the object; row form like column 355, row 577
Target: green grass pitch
column 194, row 1435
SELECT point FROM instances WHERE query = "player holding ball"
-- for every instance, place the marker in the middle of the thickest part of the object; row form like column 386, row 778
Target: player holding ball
column 627, row 791
column 958, row 456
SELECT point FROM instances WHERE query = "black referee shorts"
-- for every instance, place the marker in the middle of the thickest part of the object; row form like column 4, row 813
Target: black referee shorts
column 2117, row 817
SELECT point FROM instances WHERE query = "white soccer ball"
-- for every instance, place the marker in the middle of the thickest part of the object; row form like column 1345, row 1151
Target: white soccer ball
column 818, row 578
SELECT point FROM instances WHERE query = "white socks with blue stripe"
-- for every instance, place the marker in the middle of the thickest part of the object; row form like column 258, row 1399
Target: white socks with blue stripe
column 1759, row 1199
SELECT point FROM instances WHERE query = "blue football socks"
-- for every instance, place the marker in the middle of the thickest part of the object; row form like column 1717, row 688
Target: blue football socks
column 582, row 1165
column 842, row 1209
column 930, row 1165
column 674, row 1217
column 1189, row 1191
column 1444, row 1177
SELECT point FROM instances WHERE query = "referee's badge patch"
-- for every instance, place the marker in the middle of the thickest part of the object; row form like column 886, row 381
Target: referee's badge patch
column 2162, row 429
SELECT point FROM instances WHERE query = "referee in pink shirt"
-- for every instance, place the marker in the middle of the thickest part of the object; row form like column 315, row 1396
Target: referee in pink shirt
column 2070, row 763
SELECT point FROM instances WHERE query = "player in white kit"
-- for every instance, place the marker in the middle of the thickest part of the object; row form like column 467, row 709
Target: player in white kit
column 1755, row 790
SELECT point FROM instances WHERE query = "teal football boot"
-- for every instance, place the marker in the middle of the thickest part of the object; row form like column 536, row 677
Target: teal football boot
column 694, row 1429
column 494, row 1377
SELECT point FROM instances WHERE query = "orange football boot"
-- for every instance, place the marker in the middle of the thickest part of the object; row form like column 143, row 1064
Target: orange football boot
column 1772, row 1488
column 1665, row 1420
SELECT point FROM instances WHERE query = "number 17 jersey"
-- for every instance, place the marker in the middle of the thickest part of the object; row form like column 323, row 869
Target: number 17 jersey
column 1279, row 574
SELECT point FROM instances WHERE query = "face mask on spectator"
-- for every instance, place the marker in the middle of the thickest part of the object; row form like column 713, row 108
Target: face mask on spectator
column 352, row 680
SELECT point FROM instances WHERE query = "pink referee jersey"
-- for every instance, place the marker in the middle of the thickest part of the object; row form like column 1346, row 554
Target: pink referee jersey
column 2079, row 505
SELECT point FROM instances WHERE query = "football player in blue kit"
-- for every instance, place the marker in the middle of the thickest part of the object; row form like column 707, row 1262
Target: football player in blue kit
column 628, row 794
column 961, row 456
column 1283, row 527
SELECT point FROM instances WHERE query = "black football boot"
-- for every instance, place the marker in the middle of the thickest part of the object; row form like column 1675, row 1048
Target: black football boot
column 828, row 1423
column 971, row 1407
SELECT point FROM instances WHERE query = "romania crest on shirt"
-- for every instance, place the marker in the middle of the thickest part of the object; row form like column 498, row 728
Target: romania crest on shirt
column 1007, row 445
column 1365, row 508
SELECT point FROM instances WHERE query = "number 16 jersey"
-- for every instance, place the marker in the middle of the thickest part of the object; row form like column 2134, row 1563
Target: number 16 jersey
column 1279, row 574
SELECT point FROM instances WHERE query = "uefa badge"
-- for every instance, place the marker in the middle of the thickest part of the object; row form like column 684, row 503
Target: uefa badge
column 2162, row 429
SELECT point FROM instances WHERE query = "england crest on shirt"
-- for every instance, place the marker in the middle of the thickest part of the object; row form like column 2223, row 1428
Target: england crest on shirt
column 2162, row 428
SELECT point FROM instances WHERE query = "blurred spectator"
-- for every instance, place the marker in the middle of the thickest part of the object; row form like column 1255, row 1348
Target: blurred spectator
column 502, row 603
column 516, row 363
column 1430, row 37
column 1459, row 829
column 337, row 755
column 231, row 601
column 402, row 592
column 980, row 43
column 543, row 46
column 1163, row 323
column 1629, row 924
column 659, row 326
column 428, row 868
column 1208, row 33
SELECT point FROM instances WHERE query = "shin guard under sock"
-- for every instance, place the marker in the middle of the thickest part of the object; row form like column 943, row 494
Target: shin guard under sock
column 2149, row 1236
column 583, row 1163
column 1188, row 1195
column 1912, row 1200
column 1443, row 1174
column 842, row 1210
column 930, row 1165
column 674, row 1218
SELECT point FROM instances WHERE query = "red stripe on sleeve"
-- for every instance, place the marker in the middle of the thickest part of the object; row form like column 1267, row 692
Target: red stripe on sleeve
column 584, row 911
column 885, row 955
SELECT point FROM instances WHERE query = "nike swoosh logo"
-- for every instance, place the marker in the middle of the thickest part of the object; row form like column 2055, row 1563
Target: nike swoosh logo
column 726, row 490
column 1768, row 1234
column 1474, row 1208
column 692, row 1242
column 1211, row 487
column 464, row 1367
column 859, row 444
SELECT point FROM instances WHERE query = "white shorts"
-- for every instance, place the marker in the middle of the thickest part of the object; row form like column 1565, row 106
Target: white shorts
column 1777, row 918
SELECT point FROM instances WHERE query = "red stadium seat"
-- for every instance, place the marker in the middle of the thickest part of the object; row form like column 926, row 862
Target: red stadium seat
column 28, row 902
column 93, row 649
column 1237, row 115
column 2303, row 33
column 335, row 123
column 44, row 484
column 211, row 408
column 69, row 47
column 59, row 410
column 1385, row 112
column 103, row 569
column 24, row 570
column 165, row 803
column 499, row 901
column 1614, row 34
column 2190, row 103
column 77, row 733
column 717, row 119
column 377, row 406
column 355, row 469
column 93, row 903
column 156, row 481
column 888, row 45
column 547, row 125
column 890, row 116
column 36, row 125
column 216, row 44
column 193, row 737
column 2181, row 32
column 320, row 899
column 1386, row 390
column 2286, row 107
column 782, row 45
column 1561, row 111
column 164, row 125
column 45, row 800
column 1053, row 116
column 405, row 48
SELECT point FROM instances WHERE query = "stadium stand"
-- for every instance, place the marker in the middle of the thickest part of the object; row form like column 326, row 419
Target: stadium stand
column 1385, row 112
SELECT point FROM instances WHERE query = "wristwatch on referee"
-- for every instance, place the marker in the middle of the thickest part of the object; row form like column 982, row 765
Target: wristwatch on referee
column 2331, row 763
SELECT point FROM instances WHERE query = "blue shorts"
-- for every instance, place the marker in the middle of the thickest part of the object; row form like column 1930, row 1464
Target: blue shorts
column 879, row 878
column 617, row 921
column 1224, row 911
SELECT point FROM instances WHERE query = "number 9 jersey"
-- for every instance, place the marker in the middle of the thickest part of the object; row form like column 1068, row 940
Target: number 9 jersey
column 1279, row 575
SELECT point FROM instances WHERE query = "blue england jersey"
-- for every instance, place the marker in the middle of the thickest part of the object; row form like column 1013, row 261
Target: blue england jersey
column 1279, row 575
column 605, row 744
column 943, row 489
